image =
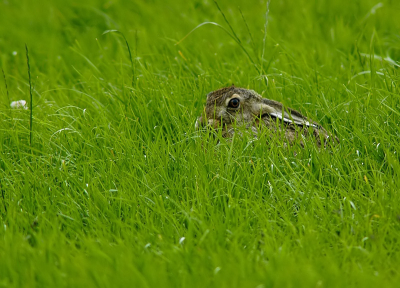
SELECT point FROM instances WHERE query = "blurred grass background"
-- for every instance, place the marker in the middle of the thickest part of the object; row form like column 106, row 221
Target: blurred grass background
column 118, row 189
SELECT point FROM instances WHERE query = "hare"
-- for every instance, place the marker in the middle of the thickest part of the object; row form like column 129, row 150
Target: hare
column 232, row 107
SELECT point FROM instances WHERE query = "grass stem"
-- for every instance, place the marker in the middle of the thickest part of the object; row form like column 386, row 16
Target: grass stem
column 236, row 38
column 129, row 51
column 5, row 83
column 248, row 30
column 30, row 95
column 265, row 36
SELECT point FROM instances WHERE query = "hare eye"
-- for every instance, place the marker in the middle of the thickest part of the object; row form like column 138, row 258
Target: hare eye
column 234, row 103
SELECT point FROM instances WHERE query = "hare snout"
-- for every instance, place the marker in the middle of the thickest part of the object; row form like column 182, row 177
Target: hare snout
column 199, row 123
column 202, row 121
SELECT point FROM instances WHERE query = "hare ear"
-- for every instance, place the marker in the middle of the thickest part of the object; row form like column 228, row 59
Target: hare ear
column 279, row 112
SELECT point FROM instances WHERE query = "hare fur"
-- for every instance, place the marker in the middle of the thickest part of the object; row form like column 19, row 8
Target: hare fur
column 232, row 107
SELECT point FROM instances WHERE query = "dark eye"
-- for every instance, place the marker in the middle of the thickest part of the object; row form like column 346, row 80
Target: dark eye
column 234, row 103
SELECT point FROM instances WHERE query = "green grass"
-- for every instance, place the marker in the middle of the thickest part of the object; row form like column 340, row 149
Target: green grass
column 118, row 189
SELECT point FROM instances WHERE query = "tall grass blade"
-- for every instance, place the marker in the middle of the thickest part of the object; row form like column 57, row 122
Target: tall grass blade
column 265, row 36
column 227, row 22
column 5, row 83
column 136, row 45
column 236, row 37
column 30, row 94
column 202, row 24
column 248, row 30
column 129, row 51
column 227, row 32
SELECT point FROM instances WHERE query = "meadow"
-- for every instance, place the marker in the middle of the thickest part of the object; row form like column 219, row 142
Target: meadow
column 104, row 181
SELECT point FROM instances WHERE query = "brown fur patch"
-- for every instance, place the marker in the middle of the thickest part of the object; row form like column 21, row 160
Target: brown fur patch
column 227, row 117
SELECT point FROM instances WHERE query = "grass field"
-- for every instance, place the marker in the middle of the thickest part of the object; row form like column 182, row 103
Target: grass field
column 117, row 189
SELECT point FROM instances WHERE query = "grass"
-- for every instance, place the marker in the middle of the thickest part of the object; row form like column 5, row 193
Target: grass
column 118, row 189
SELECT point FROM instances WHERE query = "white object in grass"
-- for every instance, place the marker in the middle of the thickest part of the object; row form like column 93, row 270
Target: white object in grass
column 20, row 104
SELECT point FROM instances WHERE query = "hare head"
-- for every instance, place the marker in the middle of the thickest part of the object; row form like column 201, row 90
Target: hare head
column 230, row 107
